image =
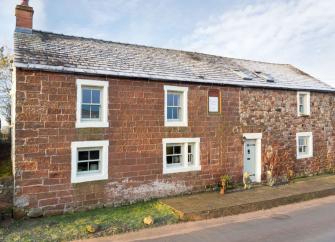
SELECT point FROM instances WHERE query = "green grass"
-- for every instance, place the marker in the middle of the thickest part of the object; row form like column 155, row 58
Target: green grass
column 73, row 226
column 5, row 168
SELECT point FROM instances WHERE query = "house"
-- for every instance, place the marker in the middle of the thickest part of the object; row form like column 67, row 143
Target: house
column 102, row 123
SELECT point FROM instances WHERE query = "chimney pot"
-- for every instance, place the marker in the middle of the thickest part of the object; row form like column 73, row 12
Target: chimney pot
column 25, row 2
column 24, row 17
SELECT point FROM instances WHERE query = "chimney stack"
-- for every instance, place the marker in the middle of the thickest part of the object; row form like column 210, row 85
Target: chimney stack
column 24, row 17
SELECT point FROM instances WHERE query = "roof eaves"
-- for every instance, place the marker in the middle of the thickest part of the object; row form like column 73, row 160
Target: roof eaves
column 157, row 77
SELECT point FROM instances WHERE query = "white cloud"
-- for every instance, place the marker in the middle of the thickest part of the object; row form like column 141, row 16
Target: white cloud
column 300, row 32
column 40, row 14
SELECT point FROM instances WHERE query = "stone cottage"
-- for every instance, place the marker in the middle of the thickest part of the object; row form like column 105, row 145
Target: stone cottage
column 102, row 123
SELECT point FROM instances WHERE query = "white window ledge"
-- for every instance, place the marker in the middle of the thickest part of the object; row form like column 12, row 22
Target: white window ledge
column 170, row 170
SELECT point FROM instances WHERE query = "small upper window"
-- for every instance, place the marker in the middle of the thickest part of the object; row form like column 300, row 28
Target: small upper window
column 303, row 99
column 304, row 145
column 92, row 104
column 175, row 106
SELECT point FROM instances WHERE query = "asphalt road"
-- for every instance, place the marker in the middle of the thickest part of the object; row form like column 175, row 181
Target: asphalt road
column 311, row 224
column 306, row 222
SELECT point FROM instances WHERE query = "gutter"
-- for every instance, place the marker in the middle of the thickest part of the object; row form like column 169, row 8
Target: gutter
column 157, row 77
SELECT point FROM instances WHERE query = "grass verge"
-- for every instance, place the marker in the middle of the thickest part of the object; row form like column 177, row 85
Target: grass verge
column 68, row 227
column 5, row 168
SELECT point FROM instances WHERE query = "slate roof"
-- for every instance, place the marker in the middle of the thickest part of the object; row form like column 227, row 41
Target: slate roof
column 56, row 52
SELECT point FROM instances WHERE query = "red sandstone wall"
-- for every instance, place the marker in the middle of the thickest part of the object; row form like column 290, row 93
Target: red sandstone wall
column 45, row 128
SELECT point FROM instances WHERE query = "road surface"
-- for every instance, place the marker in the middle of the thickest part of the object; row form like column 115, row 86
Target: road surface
column 304, row 222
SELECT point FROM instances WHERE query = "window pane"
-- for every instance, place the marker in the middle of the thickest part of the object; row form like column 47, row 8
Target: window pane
column 86, row 96
column 169, row 160
column 169, row 113
column 303, row 140
column 176, row 100
column 83, row 166
column 177, row 149
column 178, row 113
column 302, row 103
column 82, row 155
column 301, row 99
column 94, row 154
column 175, row 113
column 96, row 96
column 190, row 158
column 190, row 154
column 94, row 166
column 169, row 150
column 95, row 111
column 85, row 111
column 303, row 144
column 170, row 99
column 301, row 109
column 176, row 159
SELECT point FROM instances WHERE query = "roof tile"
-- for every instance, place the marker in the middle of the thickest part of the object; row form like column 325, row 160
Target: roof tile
column 56, row 52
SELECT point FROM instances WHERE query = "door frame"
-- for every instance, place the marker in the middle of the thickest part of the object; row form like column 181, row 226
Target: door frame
column 258, row 155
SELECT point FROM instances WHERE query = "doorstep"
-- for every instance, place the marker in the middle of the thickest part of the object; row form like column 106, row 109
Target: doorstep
column 212, row 205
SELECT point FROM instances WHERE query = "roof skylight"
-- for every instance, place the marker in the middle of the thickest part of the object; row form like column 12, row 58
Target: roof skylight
column 265, row 76
column 242, row 74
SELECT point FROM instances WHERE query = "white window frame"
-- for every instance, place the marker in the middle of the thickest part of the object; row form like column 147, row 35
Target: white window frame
column 94, row 176
column 307, row 104
column 184, row 111
column 185, row 165
column 310, row 144
column 103, row 122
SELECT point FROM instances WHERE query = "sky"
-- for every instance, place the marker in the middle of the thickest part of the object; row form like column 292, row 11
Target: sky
column 298, row 32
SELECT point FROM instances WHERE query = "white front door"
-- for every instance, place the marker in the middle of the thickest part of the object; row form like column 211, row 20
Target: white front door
column 250, row 165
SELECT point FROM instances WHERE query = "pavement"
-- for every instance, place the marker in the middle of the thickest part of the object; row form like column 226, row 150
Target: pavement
column 212, row 205
column 306, row 221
